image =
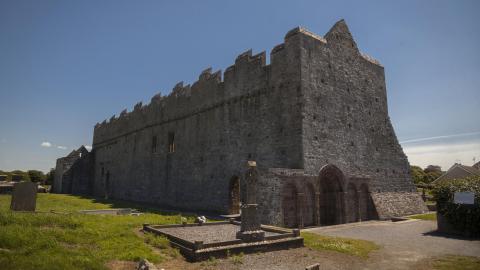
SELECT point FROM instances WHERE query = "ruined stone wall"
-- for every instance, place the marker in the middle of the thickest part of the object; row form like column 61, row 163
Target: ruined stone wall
column 62, row 166
column 346, row 120
column 253, row 114
column 80, row 176
column 73, row 173
column 320, row 101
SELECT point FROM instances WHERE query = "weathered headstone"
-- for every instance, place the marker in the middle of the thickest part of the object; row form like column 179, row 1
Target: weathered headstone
column 250, row 228
column 313, row 267
column 24, row 196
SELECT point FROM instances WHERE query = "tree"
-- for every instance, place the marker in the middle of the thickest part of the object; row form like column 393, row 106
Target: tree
column 49, row 177
column 18, row 175
column 8, row 174
column 433, row 168
column 36, row 176
column 432, row 172
column 418, row 175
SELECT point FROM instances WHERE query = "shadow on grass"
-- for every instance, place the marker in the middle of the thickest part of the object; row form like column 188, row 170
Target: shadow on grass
column 149, row 208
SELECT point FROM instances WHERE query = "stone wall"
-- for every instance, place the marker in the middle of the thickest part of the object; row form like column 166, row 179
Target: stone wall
column 253, row 114
column 79, row 177
column 292, row 198
column 62, row 168
column 319, row 104
column 396, row 204
column 346, row 120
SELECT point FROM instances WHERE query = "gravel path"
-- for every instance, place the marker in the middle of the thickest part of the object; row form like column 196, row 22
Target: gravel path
column 405, row 243
column 207, row 234
column 291, row 259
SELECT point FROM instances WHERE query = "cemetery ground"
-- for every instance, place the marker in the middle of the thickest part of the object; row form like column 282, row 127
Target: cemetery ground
column 57, row 236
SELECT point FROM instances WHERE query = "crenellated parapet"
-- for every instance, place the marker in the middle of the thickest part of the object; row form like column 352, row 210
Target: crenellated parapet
column 247, row 75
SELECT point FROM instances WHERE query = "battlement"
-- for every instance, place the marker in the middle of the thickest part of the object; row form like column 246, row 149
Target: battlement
column 247, row 75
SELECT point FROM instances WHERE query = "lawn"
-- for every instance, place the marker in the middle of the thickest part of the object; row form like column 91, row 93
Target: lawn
column 428, row 216
column 58, row 237
column 356, row 247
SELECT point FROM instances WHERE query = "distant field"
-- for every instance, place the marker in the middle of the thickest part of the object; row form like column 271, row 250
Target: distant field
column 69, row 240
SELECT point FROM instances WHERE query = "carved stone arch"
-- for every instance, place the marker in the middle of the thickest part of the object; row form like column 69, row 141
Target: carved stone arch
column 289, row 205
column 352, row 202
column 332, row 205
column 234, row 195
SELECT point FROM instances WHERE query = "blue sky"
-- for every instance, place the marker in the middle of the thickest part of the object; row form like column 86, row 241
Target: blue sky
column 66, row 65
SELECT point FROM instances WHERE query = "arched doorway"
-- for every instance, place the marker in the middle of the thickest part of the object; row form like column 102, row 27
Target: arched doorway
column 234, row 196
column 309, row 206
column 367, row 208
column 107, row 185
column 289, row 205
column 352, row 204
column 331, row 197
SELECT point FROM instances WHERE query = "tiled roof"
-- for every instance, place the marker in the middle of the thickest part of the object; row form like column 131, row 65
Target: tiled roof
column 458, row 171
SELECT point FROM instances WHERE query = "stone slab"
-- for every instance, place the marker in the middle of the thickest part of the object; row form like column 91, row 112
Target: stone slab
column 207, row 234
column 218, row 239
column 24, row 196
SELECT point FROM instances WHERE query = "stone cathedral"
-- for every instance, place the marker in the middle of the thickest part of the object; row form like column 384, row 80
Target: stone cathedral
column 315, row 120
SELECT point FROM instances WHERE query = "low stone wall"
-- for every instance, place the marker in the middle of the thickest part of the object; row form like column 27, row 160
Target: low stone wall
column 397, row 204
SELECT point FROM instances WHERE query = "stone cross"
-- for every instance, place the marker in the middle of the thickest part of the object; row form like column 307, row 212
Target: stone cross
column 250, row 228
column 251, row 183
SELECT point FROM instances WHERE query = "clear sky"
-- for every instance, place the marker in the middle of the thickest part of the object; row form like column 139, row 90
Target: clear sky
column 66, row 65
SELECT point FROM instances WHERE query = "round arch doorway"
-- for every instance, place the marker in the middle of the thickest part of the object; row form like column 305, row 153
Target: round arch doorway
column 332, row 207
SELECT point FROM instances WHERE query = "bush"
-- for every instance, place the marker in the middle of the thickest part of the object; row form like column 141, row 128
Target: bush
column 36, row 176
column 464, row 218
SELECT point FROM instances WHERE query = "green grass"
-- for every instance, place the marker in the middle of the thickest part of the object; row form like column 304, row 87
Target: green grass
column 453, row 262
column 360, row 248
column 66, row 239
column 429, row 216
column 237, row 258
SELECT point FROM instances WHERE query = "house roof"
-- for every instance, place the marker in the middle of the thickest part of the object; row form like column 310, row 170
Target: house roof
column 476, row 165
column 458, row 171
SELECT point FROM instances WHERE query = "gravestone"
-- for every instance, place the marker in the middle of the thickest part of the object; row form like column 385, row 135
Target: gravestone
column 24, row 196
column 313, row 267
column 250, row 228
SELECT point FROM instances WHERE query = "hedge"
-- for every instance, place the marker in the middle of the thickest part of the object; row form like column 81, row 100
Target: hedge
column 464, row 218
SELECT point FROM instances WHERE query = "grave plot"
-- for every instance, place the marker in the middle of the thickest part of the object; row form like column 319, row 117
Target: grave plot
column 218, row 239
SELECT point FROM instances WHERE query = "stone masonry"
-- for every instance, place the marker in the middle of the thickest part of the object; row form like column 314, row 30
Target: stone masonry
column 73, row 173
column 315, row 120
